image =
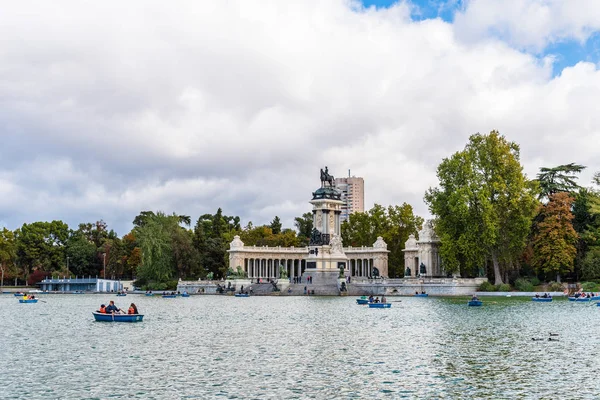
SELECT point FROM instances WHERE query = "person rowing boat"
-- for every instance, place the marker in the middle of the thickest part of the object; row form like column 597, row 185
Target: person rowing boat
column 112, row 309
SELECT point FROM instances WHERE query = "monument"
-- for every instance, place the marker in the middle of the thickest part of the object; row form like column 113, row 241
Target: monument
column 326, row 256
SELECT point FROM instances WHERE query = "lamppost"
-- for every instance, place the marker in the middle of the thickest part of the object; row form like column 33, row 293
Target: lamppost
column 68, row 268
column 104, row 264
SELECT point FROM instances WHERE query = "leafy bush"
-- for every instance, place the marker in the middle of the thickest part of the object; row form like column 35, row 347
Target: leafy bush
column 589, row 287
column 534, row 281
column 523, row 285
column 505, row 287
column 555, row 287
column 487, row 287
column 590, row 265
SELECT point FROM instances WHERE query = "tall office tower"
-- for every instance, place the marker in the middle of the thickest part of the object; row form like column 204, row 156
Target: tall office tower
column 353, row 195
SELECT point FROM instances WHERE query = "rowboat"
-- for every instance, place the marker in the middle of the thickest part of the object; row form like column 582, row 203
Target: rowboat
column 118, row 317
column 149, row 294
column 380, row 305
column 422, row 295
column 121, row 294
column 475, row 303
column 362, row 301
column 19, row 294
column 28, row 300
column 242, row 295
column 542, row 299
column 185, row 295
column 580, row 299
column 169, row 296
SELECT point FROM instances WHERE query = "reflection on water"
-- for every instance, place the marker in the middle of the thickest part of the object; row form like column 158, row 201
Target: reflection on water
column 299, row 347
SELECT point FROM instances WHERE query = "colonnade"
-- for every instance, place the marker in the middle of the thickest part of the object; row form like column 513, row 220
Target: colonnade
column 270, row 267
column 361, row 267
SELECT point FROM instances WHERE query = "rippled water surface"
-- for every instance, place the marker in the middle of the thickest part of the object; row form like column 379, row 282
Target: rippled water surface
column 299, row 347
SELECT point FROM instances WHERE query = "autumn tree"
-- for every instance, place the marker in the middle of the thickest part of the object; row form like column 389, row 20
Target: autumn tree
column 554, row 245
column 483, row 206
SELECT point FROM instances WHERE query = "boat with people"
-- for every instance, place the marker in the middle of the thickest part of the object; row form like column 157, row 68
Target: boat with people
column 121, row 294
column 421, row 294
column 28, row 300
column 542, row 299
column 380, row 305
column 475, row 303
column 584, row 299
column 110, row 317
column 185, row 294
column 242, row 295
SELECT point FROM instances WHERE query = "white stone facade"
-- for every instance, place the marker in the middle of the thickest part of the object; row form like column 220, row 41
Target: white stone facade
column 265, row 262
column 421, row 257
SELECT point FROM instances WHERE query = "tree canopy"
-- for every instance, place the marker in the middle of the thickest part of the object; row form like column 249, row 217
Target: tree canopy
column 483, row 206
column 558, row 179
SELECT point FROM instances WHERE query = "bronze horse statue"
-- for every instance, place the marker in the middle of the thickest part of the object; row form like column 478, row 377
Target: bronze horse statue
column 325, row 177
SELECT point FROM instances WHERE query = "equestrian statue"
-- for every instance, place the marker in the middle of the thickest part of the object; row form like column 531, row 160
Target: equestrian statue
column 325, row 177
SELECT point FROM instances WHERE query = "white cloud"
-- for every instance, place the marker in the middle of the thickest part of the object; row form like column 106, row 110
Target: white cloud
column 529, row 24
column 108, row 112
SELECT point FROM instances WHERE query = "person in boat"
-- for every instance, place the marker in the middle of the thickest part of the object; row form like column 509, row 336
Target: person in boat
column 416, row 292
column 474, row 298
column 102, row 309
column 132, row 309
column 545, row 295
column 537, row 295
column 112, row 309
column 376, row 299
column 383, row 299
column 423, row 292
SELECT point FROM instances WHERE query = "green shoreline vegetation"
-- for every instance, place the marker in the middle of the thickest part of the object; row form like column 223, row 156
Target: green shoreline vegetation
column 491, row 219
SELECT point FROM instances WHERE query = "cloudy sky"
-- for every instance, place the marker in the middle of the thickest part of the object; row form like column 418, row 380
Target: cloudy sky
column 110, row 108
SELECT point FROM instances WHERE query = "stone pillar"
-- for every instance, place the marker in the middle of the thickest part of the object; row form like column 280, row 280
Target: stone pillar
column 325, row 221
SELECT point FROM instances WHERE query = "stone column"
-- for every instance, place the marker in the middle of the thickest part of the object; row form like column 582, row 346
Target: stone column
column 325, row 221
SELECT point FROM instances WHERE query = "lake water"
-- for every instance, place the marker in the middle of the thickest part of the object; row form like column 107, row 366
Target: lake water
column 299, row 347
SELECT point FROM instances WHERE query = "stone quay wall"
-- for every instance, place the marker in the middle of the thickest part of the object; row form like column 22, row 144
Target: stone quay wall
column 408, row 286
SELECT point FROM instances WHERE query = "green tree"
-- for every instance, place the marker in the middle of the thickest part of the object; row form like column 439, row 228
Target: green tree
column 8, row 253
column 554, row 248
column 304, row 225
column 483, row 207
column 41, row 245
column 558, row 179
column 590, row 265
column 82, row 254
column 276, row 225
column 212, row 234
column 154, row 238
